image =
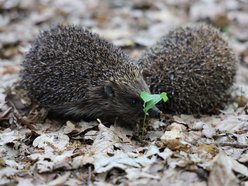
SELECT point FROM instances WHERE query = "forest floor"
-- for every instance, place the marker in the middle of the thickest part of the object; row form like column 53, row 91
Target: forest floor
column 177, row 150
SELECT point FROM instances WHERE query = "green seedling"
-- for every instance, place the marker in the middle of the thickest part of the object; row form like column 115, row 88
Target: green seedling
column 225, row 29
column 150, row 100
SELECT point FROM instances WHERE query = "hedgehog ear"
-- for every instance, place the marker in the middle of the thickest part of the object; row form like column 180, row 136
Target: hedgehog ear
column 109, row 91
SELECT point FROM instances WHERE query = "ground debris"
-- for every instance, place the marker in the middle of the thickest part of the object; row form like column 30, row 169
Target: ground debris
column 177, row 150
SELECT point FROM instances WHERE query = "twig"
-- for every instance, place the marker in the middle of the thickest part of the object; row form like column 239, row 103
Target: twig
column 89, row 177
column 6, row 112
column 236, row 145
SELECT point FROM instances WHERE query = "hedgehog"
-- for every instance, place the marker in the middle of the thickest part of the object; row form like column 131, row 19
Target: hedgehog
column 77, row 75
column 196, row 67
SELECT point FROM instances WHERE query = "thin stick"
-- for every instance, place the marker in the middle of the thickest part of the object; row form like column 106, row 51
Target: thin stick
column 236, row 145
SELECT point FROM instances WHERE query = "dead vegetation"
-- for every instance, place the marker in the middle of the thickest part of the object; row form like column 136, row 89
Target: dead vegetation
column 178, row 150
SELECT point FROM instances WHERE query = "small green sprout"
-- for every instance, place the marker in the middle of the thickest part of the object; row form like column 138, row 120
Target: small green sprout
column 225, row 29
column 150, row 100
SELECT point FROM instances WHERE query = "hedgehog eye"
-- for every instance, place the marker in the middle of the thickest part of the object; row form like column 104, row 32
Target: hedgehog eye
column 134, row 102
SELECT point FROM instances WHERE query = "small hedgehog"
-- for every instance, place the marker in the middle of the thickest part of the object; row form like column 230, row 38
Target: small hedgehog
column 194, row 65
column 79, row 76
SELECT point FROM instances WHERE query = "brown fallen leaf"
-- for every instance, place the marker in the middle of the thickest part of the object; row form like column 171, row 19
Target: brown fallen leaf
column 9, row 69
column 211, row 149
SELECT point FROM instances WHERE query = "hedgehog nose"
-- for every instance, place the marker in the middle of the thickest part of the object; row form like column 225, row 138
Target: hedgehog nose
column 154, row 113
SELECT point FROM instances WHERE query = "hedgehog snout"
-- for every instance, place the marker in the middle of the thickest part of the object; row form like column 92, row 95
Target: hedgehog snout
column 154, row 113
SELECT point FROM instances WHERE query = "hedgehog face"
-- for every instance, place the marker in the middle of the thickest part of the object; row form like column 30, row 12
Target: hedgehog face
column 122, row 102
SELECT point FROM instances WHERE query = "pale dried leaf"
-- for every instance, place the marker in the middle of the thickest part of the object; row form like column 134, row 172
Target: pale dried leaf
column 7, row 171
column 106, row 138
column 134, row 174
column 50, row 160
column 120, row 160
column 54, row 139
column 60, row 180
column 208, row 131
column 221, row 171
column 233, row 123
column 243, row 158
column 79, row 161
column 14, row 164
column 24, row 182
column 165, row 154
column 171, row 135
column 8, row 136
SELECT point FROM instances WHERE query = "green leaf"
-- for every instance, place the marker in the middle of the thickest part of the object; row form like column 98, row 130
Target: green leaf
column 164, row 96
column 145, row 96
column 150, row 100
column 149, row 105
column 149, row 97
